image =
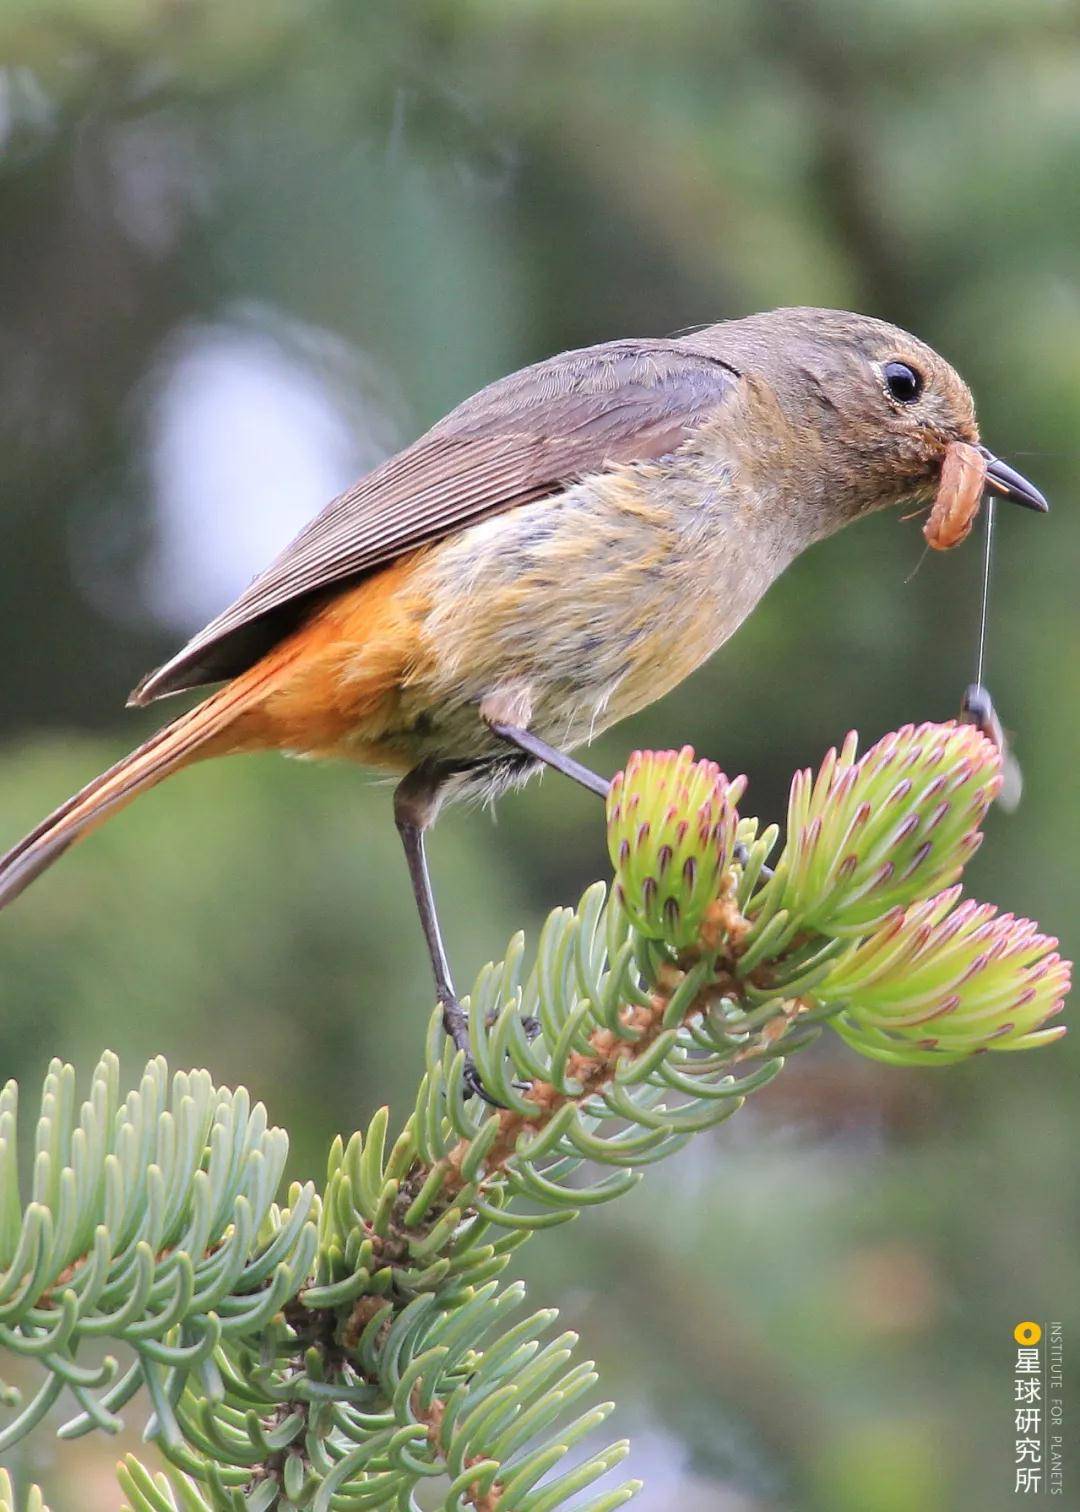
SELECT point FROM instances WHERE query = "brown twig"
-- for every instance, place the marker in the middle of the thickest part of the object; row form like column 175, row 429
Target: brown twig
column 432, row 1418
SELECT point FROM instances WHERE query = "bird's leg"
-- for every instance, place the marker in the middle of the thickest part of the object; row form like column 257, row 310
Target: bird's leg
column 416, row 802
column 557, row 760
column 560, row 762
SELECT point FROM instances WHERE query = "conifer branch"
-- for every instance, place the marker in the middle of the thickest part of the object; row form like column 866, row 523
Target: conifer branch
column 354, row 1345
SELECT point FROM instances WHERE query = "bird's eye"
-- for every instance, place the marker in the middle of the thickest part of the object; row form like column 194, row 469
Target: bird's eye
column 903, row 382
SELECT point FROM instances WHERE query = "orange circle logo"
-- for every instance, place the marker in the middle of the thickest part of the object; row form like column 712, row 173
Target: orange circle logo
column 1027, row 1333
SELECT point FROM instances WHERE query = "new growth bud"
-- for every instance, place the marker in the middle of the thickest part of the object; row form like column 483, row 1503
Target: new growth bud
column 938, row 981
column 867, row 836
column 671, row 836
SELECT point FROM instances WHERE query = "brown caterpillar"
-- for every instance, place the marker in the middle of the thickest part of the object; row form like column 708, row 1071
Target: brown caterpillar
column 963, row 482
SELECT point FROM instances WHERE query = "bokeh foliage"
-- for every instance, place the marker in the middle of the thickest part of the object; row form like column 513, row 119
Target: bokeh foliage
column 453, row 189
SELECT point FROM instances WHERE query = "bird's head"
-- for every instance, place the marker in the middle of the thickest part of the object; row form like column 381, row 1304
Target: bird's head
column 863, row 412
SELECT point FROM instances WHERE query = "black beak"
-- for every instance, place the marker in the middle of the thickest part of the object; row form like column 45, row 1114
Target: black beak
column 1005, row 481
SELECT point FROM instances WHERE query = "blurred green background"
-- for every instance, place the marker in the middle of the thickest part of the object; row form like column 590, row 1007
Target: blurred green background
column 249, row 247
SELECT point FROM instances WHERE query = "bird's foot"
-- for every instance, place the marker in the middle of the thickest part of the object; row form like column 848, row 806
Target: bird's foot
column 474, row 1085
column 529, row 1022
column 741, row 855
column 456, row 1025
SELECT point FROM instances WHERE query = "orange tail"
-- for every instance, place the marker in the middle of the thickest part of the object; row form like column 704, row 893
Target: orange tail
column 196, row 734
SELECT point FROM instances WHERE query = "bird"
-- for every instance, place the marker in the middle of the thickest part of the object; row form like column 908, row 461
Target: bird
column 559, row 551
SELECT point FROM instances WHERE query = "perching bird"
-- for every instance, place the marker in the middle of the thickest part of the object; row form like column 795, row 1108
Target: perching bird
column 563, row 548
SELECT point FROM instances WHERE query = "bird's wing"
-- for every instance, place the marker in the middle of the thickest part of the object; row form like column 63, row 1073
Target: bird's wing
column 524, row 437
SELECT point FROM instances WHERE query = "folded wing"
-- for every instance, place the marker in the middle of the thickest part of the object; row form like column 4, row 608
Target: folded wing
column 523, row 438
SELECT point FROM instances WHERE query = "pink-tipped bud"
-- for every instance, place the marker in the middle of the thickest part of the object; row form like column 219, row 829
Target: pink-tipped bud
column 867, row 836
column 941, row 980
column 671, row 836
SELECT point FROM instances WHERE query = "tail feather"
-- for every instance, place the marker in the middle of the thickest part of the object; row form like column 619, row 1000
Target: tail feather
column 189, row 738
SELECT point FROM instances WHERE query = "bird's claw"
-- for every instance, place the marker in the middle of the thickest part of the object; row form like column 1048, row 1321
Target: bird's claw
column 474, row 1086
column 456, row 1027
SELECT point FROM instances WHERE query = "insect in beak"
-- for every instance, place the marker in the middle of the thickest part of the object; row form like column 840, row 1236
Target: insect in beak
column 966, row 473
column 1007, row 482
